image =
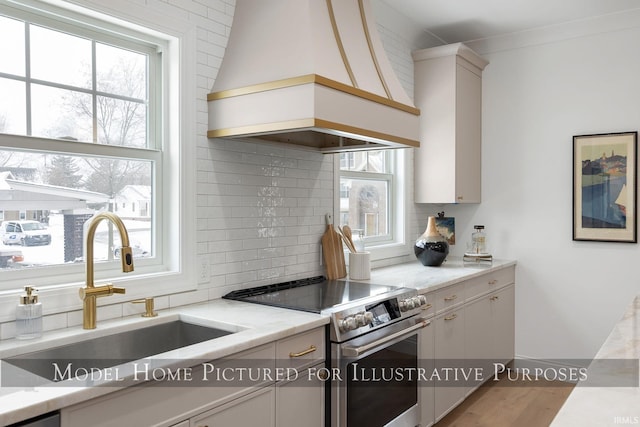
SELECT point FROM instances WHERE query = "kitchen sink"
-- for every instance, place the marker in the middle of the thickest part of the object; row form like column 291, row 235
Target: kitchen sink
column 112, row 350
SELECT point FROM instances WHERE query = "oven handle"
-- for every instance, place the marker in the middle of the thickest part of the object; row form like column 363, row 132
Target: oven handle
column 357, row 351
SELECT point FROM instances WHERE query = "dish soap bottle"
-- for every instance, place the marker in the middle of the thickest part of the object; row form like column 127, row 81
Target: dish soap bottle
column 29, row 315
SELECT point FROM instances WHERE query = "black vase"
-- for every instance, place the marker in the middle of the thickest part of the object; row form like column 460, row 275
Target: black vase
column 431, row 248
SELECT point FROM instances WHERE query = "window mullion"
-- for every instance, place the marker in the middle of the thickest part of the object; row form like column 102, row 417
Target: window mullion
column 94, row 98
column 27, row 68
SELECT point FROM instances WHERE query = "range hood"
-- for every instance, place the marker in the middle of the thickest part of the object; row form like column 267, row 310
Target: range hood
column 312, row 73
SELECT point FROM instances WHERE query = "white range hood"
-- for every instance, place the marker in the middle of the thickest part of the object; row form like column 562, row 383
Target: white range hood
column 311, row 73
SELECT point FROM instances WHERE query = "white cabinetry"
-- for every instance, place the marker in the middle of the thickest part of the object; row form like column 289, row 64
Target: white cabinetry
column 426, row 357
column 449, row 356
column 238, row 401
column 300, row 399
column 300, row 402
column 448, row 92
column 255, row 409
column 473, row 328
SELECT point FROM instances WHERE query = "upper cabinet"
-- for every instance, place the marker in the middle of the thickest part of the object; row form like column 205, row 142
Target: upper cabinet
column 448, row 92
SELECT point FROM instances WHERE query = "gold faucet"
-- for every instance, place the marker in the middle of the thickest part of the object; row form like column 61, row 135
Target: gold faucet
column 89, row 294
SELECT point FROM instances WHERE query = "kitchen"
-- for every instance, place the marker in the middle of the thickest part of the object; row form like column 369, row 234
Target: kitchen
column 540, row 88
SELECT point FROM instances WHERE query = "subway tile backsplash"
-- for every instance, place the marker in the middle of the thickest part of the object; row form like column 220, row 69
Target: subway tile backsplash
column 261, row 211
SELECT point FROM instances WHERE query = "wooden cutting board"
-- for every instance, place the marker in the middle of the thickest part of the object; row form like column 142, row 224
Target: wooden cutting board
column 332, row 253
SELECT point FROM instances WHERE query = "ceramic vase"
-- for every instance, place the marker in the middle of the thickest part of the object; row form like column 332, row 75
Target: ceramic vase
column 431, row 248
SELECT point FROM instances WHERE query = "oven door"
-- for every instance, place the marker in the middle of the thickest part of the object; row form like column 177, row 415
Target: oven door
column 378, row 383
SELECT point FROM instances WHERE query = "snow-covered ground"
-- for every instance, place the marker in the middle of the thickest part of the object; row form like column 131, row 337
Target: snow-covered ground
column 139, row 238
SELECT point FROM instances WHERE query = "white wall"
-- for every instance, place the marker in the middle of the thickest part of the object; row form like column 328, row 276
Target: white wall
column 536, row 98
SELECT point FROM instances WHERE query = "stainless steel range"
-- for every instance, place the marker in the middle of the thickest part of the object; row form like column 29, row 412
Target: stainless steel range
column 373, row 331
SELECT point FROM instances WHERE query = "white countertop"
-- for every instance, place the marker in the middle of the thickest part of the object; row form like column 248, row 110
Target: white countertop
column 425, row 279
column 609, row 406
column 252, row 324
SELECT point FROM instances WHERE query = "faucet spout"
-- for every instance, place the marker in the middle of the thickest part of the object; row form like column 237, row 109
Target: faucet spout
column 90, row 293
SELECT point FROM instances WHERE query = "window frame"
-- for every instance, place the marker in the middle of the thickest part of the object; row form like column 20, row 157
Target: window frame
column 396, row 244
column 171, row 271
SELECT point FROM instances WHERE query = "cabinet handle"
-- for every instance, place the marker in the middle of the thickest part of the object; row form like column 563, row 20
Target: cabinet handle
column 427, row 306
column 493, row 282
column 311, row 349
column 451, row 298
column 495, row 297
column 453, row 316
column 460, row 198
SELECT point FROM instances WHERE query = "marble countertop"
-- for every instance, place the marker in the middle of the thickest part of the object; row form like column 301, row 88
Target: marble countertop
column 252, row 324
column 590, row 405
column 426, row 279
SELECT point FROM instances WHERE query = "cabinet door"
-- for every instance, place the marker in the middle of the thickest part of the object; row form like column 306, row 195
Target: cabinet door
column 468, row 135
column 489, row 332
column 426, row 390
column 449, row 358
column 255, row 409
column 502, row 325
column 477, row 341
column 300, row 403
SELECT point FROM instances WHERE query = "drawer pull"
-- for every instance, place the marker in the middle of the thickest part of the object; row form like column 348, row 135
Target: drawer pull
column 495, row 297
column 451, row 298
column 427, row 306
column 453, row 316
column 311, row 349
column 493, row 282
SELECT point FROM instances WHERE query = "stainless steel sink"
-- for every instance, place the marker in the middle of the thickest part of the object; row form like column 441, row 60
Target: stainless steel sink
column 113, row 350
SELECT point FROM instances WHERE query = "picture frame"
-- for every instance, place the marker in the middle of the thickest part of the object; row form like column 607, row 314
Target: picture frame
column 604, row 187
column 447, row 227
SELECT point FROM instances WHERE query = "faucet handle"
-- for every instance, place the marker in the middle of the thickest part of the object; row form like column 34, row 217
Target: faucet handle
column 148, row 306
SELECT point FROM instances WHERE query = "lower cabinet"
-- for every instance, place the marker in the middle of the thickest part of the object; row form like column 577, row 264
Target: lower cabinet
column 467, row 339
column 489, row 333
column 255, row 409
column 300, row 402
column 426, row 362
column 269, row 400
column 449, row 359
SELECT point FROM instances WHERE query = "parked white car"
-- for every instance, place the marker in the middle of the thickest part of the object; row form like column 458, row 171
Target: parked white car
column 25, row 233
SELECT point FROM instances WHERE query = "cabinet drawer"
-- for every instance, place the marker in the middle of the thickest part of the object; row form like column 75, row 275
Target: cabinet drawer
column 448, row 297
column 489, row 282
column 301, row 350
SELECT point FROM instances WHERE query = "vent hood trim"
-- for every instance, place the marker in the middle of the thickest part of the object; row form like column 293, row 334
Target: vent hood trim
column 313, row 78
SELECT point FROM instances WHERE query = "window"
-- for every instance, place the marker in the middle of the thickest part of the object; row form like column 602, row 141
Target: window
column 86, row 124
column 371, row 195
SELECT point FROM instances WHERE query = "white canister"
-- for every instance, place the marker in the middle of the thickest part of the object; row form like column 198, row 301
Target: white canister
column 360, row 265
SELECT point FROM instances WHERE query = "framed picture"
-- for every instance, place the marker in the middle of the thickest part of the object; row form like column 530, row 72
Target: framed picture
column 604, row 187
column 447, row 227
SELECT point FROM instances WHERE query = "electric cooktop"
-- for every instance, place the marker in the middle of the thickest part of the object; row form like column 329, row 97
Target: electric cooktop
column 315, row 294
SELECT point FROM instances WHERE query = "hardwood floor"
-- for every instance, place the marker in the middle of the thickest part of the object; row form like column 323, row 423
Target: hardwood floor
column 509, row 404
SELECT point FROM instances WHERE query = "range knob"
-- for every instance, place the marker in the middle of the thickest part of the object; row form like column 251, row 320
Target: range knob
column 423, row 299
column 363, row 319
column 406, row 304
column 347, row 324
column 417, row 302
